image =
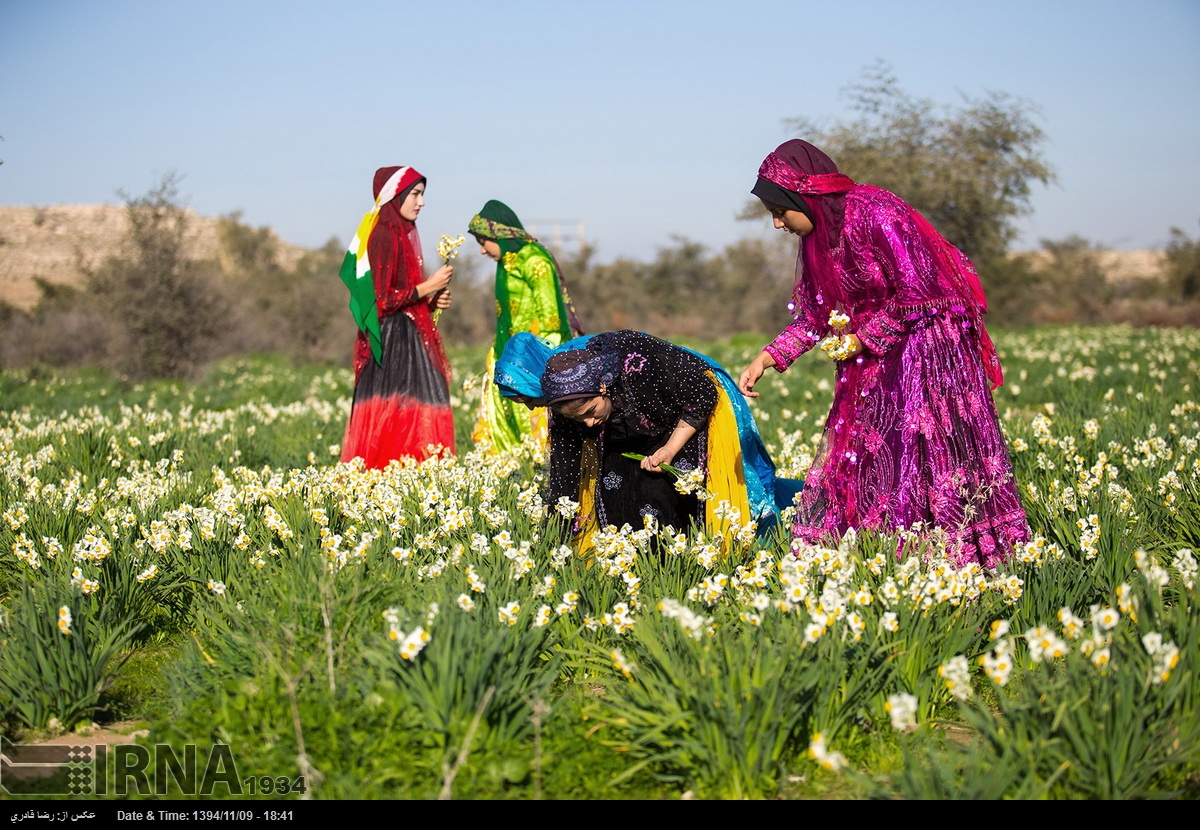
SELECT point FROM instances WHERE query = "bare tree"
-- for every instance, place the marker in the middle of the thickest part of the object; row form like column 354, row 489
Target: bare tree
column 166, row 306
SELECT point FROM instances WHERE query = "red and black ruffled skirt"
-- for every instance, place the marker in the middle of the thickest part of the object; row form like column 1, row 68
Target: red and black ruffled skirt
column 401, row 407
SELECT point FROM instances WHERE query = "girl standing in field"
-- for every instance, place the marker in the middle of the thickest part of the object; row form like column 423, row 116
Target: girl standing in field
column 401, row 403
column 913, row 436
column 530, row 297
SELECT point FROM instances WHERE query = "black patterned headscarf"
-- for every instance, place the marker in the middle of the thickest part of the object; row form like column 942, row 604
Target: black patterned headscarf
column 772, row 194
column 581, row 373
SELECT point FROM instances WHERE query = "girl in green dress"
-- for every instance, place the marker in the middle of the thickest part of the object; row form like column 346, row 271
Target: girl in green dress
column 530, row 297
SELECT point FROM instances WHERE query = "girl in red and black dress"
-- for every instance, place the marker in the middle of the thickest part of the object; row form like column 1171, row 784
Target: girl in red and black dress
column 402, row 398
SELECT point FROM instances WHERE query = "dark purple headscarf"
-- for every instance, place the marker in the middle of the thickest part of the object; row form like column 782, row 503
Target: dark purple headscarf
column 799, row 167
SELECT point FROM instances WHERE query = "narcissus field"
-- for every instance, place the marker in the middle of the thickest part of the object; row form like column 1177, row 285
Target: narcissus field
column 193, row 557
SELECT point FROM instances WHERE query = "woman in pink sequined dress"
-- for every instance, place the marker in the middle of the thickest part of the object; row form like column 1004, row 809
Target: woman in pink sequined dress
column 913, row 435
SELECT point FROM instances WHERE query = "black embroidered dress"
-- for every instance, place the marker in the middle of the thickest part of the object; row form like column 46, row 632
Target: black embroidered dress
column 658, row 386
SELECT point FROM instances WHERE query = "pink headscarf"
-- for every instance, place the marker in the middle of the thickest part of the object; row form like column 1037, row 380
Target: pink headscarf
column 801, row 168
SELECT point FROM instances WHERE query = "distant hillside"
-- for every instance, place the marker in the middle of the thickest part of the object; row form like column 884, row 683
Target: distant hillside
column 1129, row 265
column 1121, row 266
column 50, row 242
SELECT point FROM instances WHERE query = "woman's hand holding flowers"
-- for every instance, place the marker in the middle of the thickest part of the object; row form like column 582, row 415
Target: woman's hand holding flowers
column 657, row 461
column 840, row 345
column 438, row 280
column 653, row 462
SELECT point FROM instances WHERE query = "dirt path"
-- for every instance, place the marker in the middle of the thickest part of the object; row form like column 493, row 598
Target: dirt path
column 121, row 732
column 28, row 760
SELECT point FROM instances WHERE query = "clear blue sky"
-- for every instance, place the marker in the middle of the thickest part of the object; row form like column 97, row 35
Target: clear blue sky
column 641, row 119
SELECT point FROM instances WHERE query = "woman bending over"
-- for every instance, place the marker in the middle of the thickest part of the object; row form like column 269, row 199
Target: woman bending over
column 913, row 436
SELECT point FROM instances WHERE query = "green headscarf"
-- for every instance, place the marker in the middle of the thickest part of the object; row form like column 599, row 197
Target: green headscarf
column 498, row 222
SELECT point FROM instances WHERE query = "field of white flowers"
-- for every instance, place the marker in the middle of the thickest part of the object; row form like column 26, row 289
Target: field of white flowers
column 426, row 631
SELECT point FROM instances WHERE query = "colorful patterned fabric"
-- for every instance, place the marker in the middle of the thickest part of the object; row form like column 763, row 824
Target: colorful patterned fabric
column 657, row 385
column 519, row 374
column 356, row 265
column 519, row 369
column 799, row 166
column 493, row 229
column 581, row 372
column 913, row 436
column 529, row 298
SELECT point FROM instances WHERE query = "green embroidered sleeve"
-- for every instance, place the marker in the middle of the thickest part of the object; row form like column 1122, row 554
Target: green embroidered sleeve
column 534, row 297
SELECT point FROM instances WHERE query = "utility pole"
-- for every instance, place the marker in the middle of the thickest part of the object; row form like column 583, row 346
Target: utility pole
column 559, row 234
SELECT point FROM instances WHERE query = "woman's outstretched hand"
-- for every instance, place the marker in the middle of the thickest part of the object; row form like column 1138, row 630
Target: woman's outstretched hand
column 752, row 373
column 442, row 299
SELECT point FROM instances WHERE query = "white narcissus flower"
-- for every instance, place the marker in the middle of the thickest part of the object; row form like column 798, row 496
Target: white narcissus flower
column 413, row 644
column 998, row 665
column 956, row 673
column 1105, row 619
column 1185, row 562
column 1044, row 644
column 820, row 753
column 508, row 614
column 623, row 665
column 903, row 710
column 569, row 600
column 1165, row 661
column 447, row 246
column 1072, row 625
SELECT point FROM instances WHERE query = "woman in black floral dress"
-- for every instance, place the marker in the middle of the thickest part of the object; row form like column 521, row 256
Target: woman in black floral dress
column 627, row 392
